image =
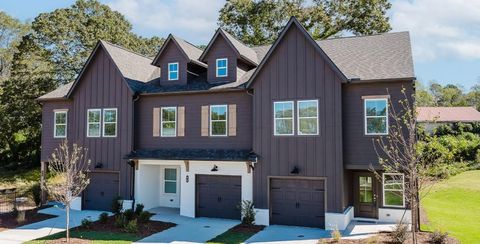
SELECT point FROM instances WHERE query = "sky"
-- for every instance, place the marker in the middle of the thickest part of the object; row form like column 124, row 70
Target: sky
column 445, row 34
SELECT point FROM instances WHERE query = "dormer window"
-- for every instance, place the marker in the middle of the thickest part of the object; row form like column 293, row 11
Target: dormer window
column 222, row 67
column 172, row 71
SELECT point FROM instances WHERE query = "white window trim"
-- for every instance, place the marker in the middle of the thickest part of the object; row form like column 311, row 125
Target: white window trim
column 169, row 71
column 226, row 119
column 275, row 119
column 217, row 68
column 403, row 189
column 55, row 123
column 298, row 118
column 165, row 180
column 161, row 122
column 99, row 122
column 103, row 122
column 376, row 116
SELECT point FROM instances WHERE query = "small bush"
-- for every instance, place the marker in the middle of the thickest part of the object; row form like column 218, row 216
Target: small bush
column 120, row 221
column 35, row 192
column 144, row 217
column 248, row 212
column 399, row 234
column 372, row 240
column 86, row 223
column 20, row 217
column 132, row 226
column 336, row 235
column 139, row 209
column 103, row 218
column 129, row 214
column 438, row 237
column 116, row 205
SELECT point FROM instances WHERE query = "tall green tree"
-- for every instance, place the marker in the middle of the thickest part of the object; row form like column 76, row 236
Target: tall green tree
column 258, row 22
column 11, row 32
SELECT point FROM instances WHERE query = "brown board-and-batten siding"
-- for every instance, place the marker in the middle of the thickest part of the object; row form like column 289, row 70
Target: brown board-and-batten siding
column 173, row 54
column 297, row 71
column 49, row 142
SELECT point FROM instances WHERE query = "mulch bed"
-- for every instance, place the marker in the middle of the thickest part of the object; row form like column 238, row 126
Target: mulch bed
column 242, row 228
column 9, row 220
column 422, row 237
column 72, row 241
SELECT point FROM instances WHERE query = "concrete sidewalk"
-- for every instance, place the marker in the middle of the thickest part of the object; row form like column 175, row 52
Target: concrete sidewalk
column 46, row 227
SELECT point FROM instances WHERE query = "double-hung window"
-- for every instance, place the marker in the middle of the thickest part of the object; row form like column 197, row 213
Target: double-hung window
column 222, row 67
column 170, row 181
column 173, row 71
column 60, row 126
column 283, row 118
column 307, row 112
column 93, row 122
column 218, row 120
column 376, row 116
column 393, row 190
column 110, row 122
column 169, row 122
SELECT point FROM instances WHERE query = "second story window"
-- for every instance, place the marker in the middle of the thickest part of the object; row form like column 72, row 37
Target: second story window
column 307, row 117
column 222, row 67
column 60, row 124
column 283, row 118
column 169, row 122
column 173, row 71
column 218, row 120
column 376, row 116
column 110, row 122
column 93, row 122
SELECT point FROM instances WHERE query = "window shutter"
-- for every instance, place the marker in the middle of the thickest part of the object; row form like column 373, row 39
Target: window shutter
column 181, row 121
column 232, row 120
column 205, row 121
column 156, row 122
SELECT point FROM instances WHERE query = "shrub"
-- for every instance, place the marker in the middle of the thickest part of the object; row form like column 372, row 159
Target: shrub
column 131, row 226
column 399, row 234
column 103, row 218
column 120, row 221
column 129, row 214
column 438, row 237
column 86, row 223
column 116, row 205
column 372, row 240
column 144, row 217
column 336, row 235
column 248, row 212
column 35, row 192
column 20, row 217
column 139, row 209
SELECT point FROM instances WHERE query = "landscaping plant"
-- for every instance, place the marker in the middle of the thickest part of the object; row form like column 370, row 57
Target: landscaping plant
column 144, row 217
column 86, row 223
column 438, row 237
column 336, row 235
column 139, row 209
column 103, row 218
column 399, row 233
column 116, row 205
column 131, row 226
column 248, row 212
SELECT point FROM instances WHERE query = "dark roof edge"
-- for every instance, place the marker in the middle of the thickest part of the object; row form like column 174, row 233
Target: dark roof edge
column 360, row 81
column 230, row 89
column 52, row 99
column 172, row 37
column 196, row 159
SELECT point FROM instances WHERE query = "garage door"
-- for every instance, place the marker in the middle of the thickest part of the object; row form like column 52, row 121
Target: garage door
column 297, row 202
column 218, row 196
column 102, row 190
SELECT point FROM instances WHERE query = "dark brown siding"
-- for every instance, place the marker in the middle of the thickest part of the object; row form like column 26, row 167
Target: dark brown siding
column 359, row 151
column 297, row 71
column 49, row 143
column 172, row 54
column 144, row 121
column 221, row 49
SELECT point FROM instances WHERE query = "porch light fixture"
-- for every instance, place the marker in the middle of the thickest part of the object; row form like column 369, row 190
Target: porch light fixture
column 295, row 170
column 215, row 168
column 98, row 165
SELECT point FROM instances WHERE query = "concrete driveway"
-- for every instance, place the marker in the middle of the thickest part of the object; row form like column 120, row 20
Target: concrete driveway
column 188, row 230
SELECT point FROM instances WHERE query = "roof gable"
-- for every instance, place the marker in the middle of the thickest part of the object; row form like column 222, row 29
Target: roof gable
column 447, row 114
column 189, row 51
column 293, row 23
column 243, row 51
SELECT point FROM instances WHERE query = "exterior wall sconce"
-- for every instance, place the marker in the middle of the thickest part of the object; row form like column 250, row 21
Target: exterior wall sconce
column 295, row 170
column 98, row 165
column 215, row 168
column 187, row 178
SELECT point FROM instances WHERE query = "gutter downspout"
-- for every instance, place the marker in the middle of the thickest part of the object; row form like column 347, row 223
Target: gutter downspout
column 136, row 97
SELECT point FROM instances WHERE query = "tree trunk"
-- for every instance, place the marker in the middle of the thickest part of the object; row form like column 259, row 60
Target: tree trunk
column 68, row 223
column 413, row 206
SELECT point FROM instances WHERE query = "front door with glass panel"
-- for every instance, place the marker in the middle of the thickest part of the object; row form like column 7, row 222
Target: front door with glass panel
column 170, row 187
column 365, row 196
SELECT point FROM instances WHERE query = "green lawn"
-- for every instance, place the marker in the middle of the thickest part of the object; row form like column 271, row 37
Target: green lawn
column 453, row 205
column 231, row 237
column 97, row 237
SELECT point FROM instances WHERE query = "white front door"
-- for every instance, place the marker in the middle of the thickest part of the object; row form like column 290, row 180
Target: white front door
column 170, row 186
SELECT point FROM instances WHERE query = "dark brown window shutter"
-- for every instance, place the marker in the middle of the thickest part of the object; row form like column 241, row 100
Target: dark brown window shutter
column 205, row 119
column 232, row 120
column 181, row 121
column 156, row 122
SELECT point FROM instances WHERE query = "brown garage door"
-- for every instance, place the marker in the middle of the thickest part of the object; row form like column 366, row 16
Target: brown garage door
column 102, row 190
column 297, row 202
column 218, row 196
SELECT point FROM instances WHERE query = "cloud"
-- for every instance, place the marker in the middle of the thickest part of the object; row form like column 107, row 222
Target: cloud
column 194, row 20
column 440, row 29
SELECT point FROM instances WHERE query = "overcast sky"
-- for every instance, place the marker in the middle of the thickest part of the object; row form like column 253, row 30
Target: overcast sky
column 445, row 34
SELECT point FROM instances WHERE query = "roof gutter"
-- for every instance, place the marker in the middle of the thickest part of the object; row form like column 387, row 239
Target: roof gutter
column 193, row 92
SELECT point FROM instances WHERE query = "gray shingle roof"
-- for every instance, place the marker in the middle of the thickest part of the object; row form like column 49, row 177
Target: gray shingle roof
column 194, row 154
column 60, row 92
column 244, row 50
column 192, row 52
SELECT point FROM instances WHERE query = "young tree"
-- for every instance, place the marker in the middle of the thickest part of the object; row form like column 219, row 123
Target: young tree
column 398, row 153
column 71, row 167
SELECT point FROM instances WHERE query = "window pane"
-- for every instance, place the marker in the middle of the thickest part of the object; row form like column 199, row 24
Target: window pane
column 170, row 187
column 110, row 129
column 168, row 129
column 284, row 126
column 308, row 126
column 173, row 76
column 93, row 116
column 222, row 72
column 219, row 128
column 393, row 198
column 393, row 182
column 168, row 114
column 376, row 107
column 222, row 63
column 173, row 67
column 377, row 125
column 219, row 113
column 94, row 130
column 61, row 118
column 171, row 174
column 283, row 110
column 60, row 130
column 366, row 192
column 307, row 109
column 110, row 116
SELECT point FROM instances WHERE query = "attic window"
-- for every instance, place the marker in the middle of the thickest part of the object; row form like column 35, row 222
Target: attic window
column 222, row 67
column 173, row 71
